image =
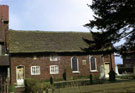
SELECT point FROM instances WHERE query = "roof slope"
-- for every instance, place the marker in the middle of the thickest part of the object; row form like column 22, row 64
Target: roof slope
column 41, row 41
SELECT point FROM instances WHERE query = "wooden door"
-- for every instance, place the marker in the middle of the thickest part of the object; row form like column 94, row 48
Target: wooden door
column 20, row 75
column 107, row 69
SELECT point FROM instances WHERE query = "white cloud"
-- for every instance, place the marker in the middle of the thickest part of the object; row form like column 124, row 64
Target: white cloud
column 52, row 15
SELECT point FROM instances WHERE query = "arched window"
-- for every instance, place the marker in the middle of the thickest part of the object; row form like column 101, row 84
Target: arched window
column 93, row 64
column 74, row 64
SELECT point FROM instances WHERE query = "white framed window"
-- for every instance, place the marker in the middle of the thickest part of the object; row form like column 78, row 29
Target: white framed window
column 54, row 58
column 35, row 70
column 74, row 65
column 54, row 69
column 93, row 64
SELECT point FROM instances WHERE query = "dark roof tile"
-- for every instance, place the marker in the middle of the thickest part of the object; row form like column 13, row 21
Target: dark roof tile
column 41, row 41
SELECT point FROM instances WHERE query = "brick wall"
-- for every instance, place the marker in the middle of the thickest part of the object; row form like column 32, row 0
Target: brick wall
column 4, row 19
column 44, row 62
column 4, row 12
column 107, row 59
column 129, row 61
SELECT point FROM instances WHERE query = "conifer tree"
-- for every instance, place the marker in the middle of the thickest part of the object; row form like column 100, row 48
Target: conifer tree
column 115, row 19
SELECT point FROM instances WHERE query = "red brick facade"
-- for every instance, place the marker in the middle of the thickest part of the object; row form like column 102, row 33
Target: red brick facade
column 128, row 64
column 4, row 58
column 44, row 62
column 129, row 61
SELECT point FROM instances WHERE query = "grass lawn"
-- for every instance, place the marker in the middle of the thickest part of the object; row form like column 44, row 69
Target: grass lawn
column 119, row 87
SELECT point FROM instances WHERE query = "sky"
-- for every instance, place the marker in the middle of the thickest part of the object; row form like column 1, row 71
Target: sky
column 50, row 15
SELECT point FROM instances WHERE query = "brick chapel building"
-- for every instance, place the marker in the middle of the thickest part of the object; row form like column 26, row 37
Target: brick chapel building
column 38, row 54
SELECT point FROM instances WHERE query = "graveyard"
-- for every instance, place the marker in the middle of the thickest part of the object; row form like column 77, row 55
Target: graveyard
column 119, row 87
column 124, row 84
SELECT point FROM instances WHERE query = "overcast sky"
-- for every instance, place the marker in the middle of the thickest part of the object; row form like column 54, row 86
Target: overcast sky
column 49, row 15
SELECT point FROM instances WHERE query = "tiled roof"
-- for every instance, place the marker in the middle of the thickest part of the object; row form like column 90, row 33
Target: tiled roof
column 42, row 41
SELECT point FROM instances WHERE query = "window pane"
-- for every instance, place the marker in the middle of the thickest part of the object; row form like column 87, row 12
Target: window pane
column 74, row 64
column 53, row 58
column 54, row 69
column 35, row 70
column 93, row 63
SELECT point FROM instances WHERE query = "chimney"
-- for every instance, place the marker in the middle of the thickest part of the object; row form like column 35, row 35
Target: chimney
column 4, row 12
column 4, row 19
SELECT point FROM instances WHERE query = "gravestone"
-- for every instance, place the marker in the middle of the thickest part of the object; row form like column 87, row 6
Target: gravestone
column 102, row 72
column 68, row 73
column 116, row 70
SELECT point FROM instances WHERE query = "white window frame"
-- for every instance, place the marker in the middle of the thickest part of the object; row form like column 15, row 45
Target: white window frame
column 77, row 66
column 54, row 58
column 37, row 70
column 91, row 65
column 56, row 69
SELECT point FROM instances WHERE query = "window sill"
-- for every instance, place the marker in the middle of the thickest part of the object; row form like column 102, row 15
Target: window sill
column 76, row 72
column 35, row 74
column 93, row 71
column 53, row 60
column 53, row 73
